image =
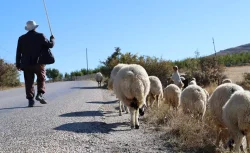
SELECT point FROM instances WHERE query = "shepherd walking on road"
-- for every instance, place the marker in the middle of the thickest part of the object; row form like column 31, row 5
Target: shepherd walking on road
column 29, row 48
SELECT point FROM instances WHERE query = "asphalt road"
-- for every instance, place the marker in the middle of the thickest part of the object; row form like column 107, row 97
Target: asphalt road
column 78, row 118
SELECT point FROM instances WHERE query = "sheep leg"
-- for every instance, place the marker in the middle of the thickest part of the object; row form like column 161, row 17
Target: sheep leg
column 152, row 97
column 201, row 117
column 248, row 142
column 126, row 108
column 147, row 100
column 238, row 141
column 158, row 102
column 175, row 108
column 132, row 117
column 120, row 108
column 136, row 118
column 225, row 138
column 169, row 105
column 218, row 131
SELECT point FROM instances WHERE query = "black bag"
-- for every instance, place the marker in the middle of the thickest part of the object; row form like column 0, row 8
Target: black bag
column 46, row 57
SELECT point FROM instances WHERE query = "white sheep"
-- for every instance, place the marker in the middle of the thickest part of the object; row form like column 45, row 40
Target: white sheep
column 131, row 86
column 98, row 78
column 193, row 100
column 192, row 82
column 113, row 73
column 226, row 81
column 216, row 101
column 236, row 116
column 171, row 96
column 155, row 93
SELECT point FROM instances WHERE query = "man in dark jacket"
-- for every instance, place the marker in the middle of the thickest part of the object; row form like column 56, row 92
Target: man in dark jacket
column 27, row 55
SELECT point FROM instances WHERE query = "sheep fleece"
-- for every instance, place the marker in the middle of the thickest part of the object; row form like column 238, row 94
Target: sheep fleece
column 218, row 98
column 155, row 85
column 113, row 74
column 132, row 81
column 172, row 95
column 236, row 113
column 98, row 77
column 193, row 98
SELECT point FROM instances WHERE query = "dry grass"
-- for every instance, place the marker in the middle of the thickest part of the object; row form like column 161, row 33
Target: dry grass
column 7, row 88
column 210, row 89
column 184, row 131
column 236, row 73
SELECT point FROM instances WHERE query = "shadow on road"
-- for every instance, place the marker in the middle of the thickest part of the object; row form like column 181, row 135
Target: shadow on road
column 85, row 88
column 82, row 114
column 91, row 127
column 17, row 107
column 103, row 102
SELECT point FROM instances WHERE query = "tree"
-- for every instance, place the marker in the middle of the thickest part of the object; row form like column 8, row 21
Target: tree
column 110, row 62
column 84, row 71
column 9, row 75
column 197, row 54
column 66, row 76
column 53, row 74
column 60, row 77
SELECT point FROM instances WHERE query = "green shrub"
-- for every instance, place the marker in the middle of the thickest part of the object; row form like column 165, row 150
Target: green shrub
column 206, row 70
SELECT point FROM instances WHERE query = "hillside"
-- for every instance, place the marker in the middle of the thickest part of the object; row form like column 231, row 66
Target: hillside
column 233, row 50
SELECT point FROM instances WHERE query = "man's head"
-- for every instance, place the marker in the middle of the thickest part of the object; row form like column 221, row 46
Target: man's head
column 31, row 25
column 175, row 68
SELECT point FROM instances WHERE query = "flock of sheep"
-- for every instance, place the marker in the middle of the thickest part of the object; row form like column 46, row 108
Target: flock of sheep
column 228, row 105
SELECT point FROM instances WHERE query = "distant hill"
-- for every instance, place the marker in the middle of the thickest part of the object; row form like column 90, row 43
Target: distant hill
column 234, row 50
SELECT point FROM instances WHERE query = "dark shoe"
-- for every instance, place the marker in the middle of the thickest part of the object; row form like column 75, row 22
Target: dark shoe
column 31, row 103
column 40, row 98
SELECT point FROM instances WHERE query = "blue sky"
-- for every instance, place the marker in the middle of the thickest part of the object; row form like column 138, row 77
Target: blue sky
column 171, row 29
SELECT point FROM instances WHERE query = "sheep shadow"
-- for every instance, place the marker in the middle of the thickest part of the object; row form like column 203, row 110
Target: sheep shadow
column 91, row 127
column 85, row 87
column 82, row 114
column 103, row 102
column 117, row 108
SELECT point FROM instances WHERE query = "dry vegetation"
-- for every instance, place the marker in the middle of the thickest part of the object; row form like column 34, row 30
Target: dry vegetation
column 9, row 76
column 7, row 88
column 211, row 88
column 239, row 75
column 185, row 132
column 236, row 73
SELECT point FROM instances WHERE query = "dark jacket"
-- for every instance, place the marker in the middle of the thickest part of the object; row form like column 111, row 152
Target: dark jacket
column 29, row 48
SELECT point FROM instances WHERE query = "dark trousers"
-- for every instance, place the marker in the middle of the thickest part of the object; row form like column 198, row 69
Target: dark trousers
column 29, row 76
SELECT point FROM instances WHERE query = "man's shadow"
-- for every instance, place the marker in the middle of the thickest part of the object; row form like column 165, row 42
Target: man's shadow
column 22, row 107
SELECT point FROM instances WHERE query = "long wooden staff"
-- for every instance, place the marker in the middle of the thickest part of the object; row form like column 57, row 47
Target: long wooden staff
column 47, row 16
